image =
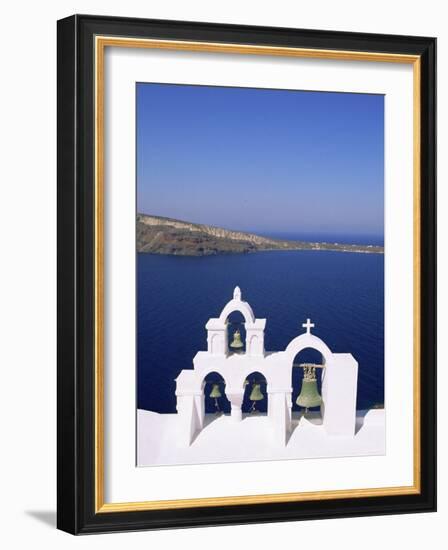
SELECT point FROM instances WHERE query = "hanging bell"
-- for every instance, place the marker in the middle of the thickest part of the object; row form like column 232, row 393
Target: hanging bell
column 216, row 392
column 255, row 394
column 237, row 344
column 309, row 395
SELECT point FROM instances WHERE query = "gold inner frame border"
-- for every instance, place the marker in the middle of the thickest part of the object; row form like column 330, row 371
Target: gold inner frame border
column 100, row 44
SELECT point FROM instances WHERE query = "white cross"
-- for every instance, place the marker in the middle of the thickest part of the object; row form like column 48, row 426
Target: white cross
column 308, row 325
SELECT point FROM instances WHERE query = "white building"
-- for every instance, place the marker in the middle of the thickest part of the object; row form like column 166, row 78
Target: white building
column 339, row 378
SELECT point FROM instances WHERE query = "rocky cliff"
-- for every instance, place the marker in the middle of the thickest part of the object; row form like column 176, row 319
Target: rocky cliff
column 159, row 235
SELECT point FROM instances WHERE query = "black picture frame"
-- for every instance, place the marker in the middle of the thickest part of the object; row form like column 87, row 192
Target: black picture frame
column 76, row 478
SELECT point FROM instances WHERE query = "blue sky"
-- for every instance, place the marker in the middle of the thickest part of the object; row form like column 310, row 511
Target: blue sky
column 270, row 161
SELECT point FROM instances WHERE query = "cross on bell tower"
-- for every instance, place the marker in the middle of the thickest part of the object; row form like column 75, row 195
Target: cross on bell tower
column 308, row 325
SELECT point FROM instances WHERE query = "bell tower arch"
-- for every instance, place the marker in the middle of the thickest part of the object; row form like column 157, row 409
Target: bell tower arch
column 217, row 334
column 339, row 382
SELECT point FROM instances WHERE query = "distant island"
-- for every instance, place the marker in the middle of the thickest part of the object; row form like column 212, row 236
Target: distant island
column 159, row 235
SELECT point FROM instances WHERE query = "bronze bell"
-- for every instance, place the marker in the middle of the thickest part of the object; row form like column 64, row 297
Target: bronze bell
column 309, row 395
column 255, row 395
column 237, row 344
column 215, row 394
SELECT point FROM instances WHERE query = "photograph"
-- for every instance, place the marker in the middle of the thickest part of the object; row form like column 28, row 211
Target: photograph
column 259, row 274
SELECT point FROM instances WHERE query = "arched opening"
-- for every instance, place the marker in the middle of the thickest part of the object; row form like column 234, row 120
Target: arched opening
column 236, row 332
column 307, row 372
column 255, row 399
column 215, row 399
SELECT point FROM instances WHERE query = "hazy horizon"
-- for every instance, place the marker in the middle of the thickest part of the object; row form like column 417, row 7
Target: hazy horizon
column 262, row 161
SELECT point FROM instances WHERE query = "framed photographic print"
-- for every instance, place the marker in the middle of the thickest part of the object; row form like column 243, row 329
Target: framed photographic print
column 246, row 274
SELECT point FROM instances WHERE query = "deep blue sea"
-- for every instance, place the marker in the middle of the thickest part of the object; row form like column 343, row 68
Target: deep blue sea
column 342, row 293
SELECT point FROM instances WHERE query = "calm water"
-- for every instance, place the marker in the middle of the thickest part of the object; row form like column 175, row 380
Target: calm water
column 342, row 293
